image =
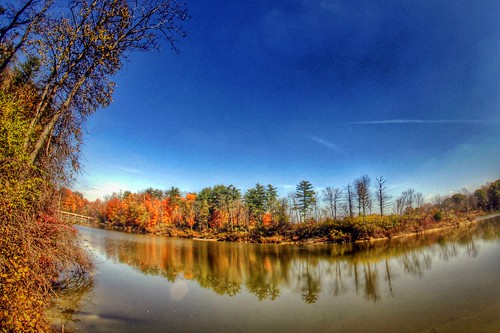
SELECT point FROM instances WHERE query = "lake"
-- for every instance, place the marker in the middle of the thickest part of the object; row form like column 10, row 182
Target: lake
column 447, row 281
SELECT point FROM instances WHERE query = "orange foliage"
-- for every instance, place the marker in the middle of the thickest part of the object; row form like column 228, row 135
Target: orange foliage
column 72, row 202
column 267, row 219
column 191, row 197
column 113, row 206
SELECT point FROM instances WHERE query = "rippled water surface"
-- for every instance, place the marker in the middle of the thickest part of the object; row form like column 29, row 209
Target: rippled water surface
column 440, row 282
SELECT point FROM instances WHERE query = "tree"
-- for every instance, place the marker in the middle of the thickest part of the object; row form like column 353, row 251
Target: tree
column 350, row 200
column 332, row 196
column 255, row 199
column 458, row 201
column 419, row 199
column 383, row 199
column 18, row 22
column 271, row 199
column 362, row 186
column 261, row 200
column 406, row 200
column 80, row 50
column 293, row 205
column 306, row 198
column 494, row 195
column 56, row 65
column 202, row 207
column 222, row 201
column 438, row 200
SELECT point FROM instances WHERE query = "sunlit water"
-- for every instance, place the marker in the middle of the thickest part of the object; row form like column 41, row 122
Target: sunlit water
column 439, row 282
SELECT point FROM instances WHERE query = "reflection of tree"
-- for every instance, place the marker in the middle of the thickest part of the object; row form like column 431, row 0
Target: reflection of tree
column 309, row 283
column 415, row 263
column 263, row 292
column 265, row 269
column 220, row 286
column 468, row 240
column 371, row 285
column 338, row 285
column 388, row 278
column 447, row 250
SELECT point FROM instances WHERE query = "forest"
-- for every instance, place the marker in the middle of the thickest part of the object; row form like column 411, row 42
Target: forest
column 358, row 211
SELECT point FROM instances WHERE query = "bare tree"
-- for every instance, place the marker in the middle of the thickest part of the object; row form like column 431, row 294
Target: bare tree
column 362, row 186
column 350, row 199
column 438, row 200
column 293, row 205
column 419, row 199
column 344, row 209
column 316, row 209
column 332, row 196
column 399, row 205
column 405, row 201
column 383, row 199
column 408, row 197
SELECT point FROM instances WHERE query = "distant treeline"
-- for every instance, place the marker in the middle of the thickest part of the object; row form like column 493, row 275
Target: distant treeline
column 355, row 212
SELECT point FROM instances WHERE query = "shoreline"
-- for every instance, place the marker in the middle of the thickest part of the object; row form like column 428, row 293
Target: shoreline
column 284, row 239
column 434, row 230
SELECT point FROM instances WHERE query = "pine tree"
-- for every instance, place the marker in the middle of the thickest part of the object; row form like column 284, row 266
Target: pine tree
column 306, row 198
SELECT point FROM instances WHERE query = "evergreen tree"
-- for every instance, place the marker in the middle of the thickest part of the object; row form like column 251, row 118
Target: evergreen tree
column 306, row 198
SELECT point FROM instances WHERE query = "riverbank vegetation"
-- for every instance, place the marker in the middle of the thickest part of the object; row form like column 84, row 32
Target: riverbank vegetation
column 55, row 70
column 356, row 212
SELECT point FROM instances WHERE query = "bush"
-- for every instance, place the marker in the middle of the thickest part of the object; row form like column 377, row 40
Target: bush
column 35, row 247
column 438, row 216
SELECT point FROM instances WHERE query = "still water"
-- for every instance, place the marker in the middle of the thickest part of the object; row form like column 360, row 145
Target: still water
column 440, row 282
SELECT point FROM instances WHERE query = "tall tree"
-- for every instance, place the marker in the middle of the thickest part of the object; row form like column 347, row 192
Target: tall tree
column 255, row 199
column 383, row 199
column 405, row 201
column 306, row 198
column 350, row 199
column 419, row 199
column 293, row 205
column 271, row 198
column 362, row 186
column 332, row 196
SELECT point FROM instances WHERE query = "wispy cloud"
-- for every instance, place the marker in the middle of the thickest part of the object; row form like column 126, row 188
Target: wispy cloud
column 96, row 192
column 325, row 143
column 423, row 121
column 129, row 169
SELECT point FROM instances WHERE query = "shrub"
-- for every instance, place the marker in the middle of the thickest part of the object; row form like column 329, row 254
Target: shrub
column 35, row 247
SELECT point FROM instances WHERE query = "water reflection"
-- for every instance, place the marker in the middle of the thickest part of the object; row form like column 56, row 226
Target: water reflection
column 367, row 269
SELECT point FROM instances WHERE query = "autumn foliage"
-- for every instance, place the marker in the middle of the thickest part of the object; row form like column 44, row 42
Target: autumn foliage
column 221, row 212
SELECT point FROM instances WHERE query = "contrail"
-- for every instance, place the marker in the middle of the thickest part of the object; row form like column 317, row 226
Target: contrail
column 325, row 143
column 423, row 121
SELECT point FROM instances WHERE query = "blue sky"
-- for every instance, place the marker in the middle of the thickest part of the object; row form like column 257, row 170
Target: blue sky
column 281, row 91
